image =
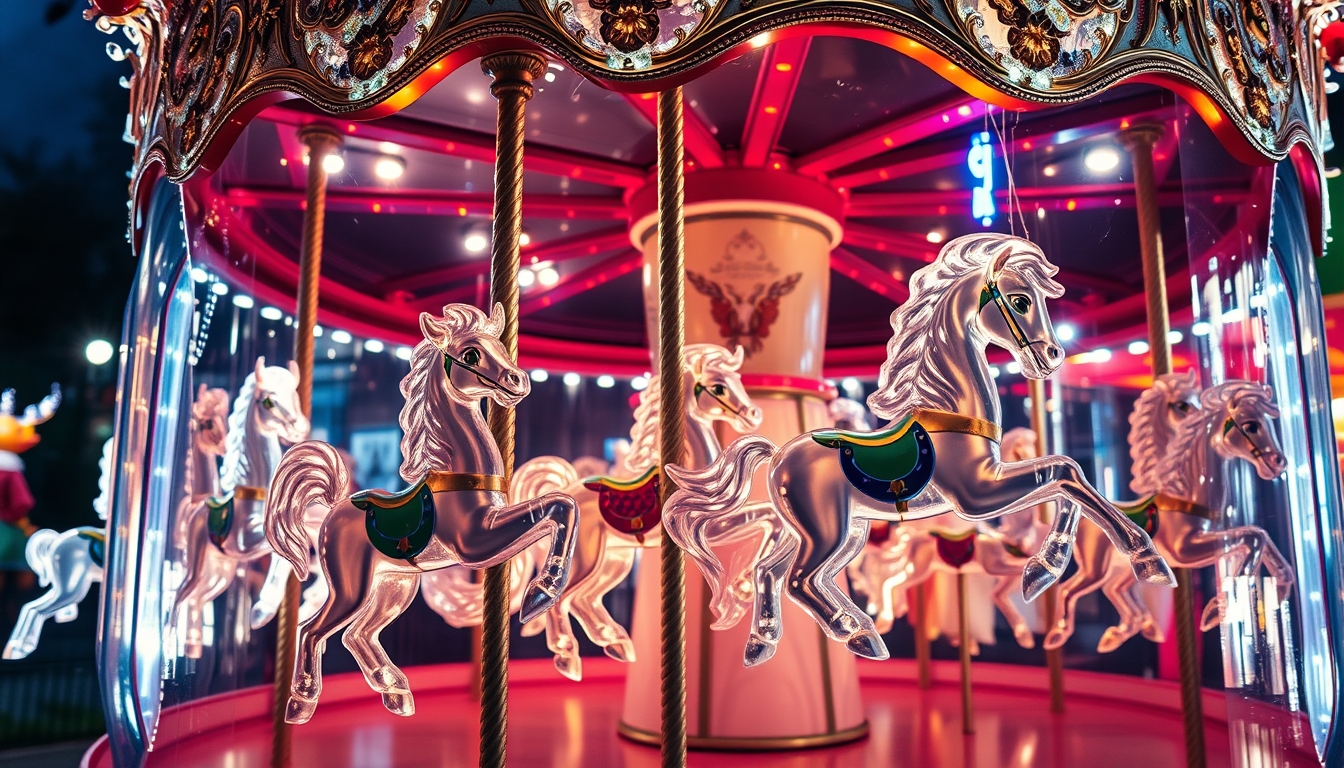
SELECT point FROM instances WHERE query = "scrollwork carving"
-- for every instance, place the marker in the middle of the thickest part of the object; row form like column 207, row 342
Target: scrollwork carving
column 1037, row 42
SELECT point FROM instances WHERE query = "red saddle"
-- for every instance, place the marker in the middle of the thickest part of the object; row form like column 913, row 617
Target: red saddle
column 629, row 506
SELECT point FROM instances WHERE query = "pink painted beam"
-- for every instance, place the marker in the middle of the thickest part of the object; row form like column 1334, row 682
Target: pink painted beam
column 1040, row 132
column 901, row 132
column 937, row 202
column 431, row 202
column 781, row 67
column 587, row 279
column 473, row 145
column 701, row 146
column 907, row 244
column 868, row 275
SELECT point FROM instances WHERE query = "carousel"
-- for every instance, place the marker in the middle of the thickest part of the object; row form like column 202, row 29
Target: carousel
column 668, row 382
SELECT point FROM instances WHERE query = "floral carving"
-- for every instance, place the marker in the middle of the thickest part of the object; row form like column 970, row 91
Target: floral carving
column 327, row 13
column 1035, row 41
column 628, row 25
column 372, row 47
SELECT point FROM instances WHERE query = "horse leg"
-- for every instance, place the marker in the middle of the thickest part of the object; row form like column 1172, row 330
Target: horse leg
column 904, row 574
column 313, row 597
column 391, row 593
column 27, row 630
column 585, row 601
column 520, row 526
column 1134, row 617
column 731, row 596
column 1094, row 562
column 213, row 574
column 767, row 625
column 272, row 591
column 840, row 618
column 1046, row 565
column 996, row 562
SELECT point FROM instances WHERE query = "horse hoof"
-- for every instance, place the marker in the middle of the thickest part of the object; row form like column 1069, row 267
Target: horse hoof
column 1153, row 632
column 1112, row 639
column 1025, row 638
column 759, row 650
column 535, row 603
column 533, row 628
column 570, row 666
column 1055, row 640
column 299, row 711
column 1036, row 578
column 1213, row 614
column 1152, row 569
column 399, row 703
column 260, row 620
column 15, row 651
column 621, row 650
column 868, row 645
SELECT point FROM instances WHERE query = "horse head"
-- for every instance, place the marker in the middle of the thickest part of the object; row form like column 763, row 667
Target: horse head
column 1158, row 413
column 276, row 391
column 210, row 414
column 1012, row 309
column 716, row 387
column 475, row 361
column 1246, row 432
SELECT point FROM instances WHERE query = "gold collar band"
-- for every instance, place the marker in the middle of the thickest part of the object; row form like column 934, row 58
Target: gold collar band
column 1172, row 504
column 943, row 421
column 444, row 482
column 248, row 493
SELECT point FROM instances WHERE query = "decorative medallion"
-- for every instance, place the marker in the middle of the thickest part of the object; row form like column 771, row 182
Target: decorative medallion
column 1250, row 47
column 629, row 33
column 357, row 44
column 1037, row 42
column 201, row 50
column 744, row 289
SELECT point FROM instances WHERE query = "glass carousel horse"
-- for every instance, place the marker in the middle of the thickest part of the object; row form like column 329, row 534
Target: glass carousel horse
column 621, row 510
column 70, row 563
column 936, row 390
column 1233, row 423
column 374, row 545
column 224, row 531
column 208, row 430
column 911, row 554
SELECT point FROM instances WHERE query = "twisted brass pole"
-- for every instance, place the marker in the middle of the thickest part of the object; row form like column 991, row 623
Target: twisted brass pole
column 671, row 339
column 1054, row 657
column 321, row 142
column 1140, row 140
column 512, row 75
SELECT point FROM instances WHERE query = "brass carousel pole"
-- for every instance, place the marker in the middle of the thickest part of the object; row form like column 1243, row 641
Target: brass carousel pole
column 1140, row 140
column 1054, row 657
column 321, row 141
column 923, row 651
column 964, row 632
column 671, row 339
column 513, row 74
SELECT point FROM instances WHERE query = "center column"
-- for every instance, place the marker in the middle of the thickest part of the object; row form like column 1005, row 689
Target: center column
column 758, row 247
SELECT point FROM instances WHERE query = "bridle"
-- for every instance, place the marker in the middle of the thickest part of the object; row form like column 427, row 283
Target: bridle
column 1231, row 424
column 991, row 293
column 699, row 388
column 449, row 361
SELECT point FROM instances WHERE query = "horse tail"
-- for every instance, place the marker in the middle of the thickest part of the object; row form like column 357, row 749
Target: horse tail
column 705, row 494
column 310, row 473
column 38, row 553
column 541, row 476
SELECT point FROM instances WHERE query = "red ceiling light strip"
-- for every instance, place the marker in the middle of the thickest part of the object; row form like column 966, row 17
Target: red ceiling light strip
column 901, row 132
column 776, row 83
column 432, row 202
column 573, row 284
column 921, row 203
column 701, row 146
column 868, row 275
column 907, row 244
column 472, row 145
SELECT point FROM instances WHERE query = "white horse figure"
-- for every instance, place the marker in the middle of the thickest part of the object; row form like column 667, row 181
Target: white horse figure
column 910, row 555
column 620, row 512
column 223, row 532
column 937, row 391
column 70, row 562
column 373, row 546
column 1234, row 422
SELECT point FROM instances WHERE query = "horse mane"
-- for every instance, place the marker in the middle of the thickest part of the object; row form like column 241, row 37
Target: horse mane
column 422, row 439
column 1147, row 421
column 907, row 380
column 1174, row 479
column 235, row 457
column 100, row 504
column 645, row 435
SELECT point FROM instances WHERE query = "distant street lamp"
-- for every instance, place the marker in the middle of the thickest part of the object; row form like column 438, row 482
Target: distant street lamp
column 98, row 351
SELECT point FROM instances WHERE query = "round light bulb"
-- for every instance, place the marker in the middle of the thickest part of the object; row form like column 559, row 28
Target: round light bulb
column 475, row 242
column 1101, row 159
column 388, row 167
column 98, row 351
column 548, row 276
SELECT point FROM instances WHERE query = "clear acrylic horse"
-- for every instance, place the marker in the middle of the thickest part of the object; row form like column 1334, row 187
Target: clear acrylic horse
column 223, row 532
column 608, row 543
column 1233, row 423
column 373, row 545
column 911, row 554
column 70, row 562
column 937, row 391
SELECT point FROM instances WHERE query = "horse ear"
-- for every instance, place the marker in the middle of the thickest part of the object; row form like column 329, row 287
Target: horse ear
column 200, row 393
column 294, row 370
column 261, row 366
column 1001, row 260
column 497, row 318
column 739, row 355
column 429, row 326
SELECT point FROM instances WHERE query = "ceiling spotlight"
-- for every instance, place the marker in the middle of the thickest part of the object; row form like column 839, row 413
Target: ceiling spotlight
column 317, row 331
column 1014, row 368
column 1201, row 328
column 851, row 384
column 571, row 379
column 373, row 345
column 1138, row 348
column 1049, row 170
column 548, row 276
column 199, row 275
column 1040, row 213
column 526, row 278
column 1066, row 332
column 333, row 163
column 403, row 353
column 639, row 383
column 606, row 382
column 242, row 301
column 475, row 242
column 219, row 289
column 1174, row 337
column 1102, row 355
column 98, row 351
column 524, row 239
column 389, row 167
column 1101, row 159
column 934, row 236
column 269, row 313
column 540, row 375
column 341, row 337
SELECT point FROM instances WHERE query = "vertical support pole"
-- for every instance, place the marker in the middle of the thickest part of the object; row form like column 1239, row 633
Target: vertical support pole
column 1140, row 140
column 923, row 653
column 511, row 86
column 321, row 141
column 964, row 629
column 672, row 438
column 1054, row 658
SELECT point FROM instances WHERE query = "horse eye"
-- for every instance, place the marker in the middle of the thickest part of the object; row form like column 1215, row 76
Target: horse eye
column 718, row 389
column 268, row 402
column 471, row 357
column 1020, row 304
column 1252, row 427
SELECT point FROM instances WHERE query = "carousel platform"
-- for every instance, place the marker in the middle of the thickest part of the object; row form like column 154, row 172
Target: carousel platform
column 1111, row 721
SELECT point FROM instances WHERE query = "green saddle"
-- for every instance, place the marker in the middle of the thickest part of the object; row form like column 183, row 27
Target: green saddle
column 97, row 544
column 1142, row 513
column 887, row 454
column 400, row 525
column 219, row 522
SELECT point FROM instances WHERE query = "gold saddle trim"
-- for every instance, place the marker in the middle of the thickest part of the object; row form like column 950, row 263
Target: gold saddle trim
column 931, row 420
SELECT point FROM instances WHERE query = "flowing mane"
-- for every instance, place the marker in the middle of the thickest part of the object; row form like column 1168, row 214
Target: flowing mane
column 1191, row 450
column 423, row 446
column 908, row 380
column 1148, row 427
column 645, row 435
column 235, row 453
